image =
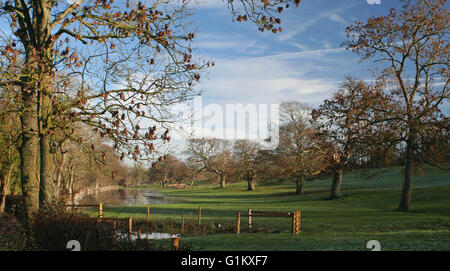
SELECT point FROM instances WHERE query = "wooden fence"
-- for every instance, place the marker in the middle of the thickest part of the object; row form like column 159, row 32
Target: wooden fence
column 295, row 222
column 130, row 219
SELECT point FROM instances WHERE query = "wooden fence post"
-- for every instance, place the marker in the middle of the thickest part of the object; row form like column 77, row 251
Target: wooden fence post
column 249, row 220
column 148, row 213
column 114, row 227
column 293, row 221
column 299, row 221
column 182, row 223
column 199, row 216
column 130, row 227
column 100, row 211
column 139, row 234
column 176, row 243
column 238, row 230
column 296, row 222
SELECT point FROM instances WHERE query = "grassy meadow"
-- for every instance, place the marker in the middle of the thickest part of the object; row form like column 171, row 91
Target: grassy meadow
column 367, row 211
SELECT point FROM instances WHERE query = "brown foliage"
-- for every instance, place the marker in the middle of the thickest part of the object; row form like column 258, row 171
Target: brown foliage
column 412, row 45
column 354, row 123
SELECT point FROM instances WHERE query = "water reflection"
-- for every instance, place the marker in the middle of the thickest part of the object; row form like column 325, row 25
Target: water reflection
column 127, row 197
column 150, row 235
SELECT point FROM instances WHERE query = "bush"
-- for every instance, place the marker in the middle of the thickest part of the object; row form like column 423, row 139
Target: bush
column 14, row 206
column 52, row 231
column 53, row 227
column 12, row 233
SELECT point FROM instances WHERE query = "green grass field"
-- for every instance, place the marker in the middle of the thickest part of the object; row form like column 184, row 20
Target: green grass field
column 367, row 211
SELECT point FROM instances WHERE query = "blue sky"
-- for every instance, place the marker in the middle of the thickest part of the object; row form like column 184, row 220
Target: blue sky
column 305, row 62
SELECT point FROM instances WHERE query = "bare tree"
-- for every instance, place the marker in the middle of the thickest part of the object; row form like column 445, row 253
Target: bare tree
column 412, row 49
column 246, row 155
column 300, row 152
column 266, row 167
column 213, row 154
column 194, row 169
column 263, row 13
column 170, row 170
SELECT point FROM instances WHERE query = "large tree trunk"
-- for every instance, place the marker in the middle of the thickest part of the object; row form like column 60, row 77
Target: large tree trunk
column 251, row 179
column 48, row 189
column 300, row 186
column 164, row 181
column 71, row 181
column 5, row 188
column 43, row 71
column 97, row 184
column 193, row 180
column 336, row 186
column 251, row 185
column 223, row 181
column 71, row 184
column 405, row 201
column 2, row 202
column 59, row 174
column 47, row 193
column 6, row 180
column 29, row 153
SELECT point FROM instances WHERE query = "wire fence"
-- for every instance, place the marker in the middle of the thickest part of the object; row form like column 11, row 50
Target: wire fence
column 270, row 222
column 142, row 221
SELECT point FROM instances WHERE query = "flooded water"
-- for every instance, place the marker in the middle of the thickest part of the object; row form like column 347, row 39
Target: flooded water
column 127, row 197
column 151, row 235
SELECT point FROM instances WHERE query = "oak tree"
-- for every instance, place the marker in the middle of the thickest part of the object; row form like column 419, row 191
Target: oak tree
column 214, row 156
column 411, row 48
column 246, row 154
column 300, row 153
column 349, row 122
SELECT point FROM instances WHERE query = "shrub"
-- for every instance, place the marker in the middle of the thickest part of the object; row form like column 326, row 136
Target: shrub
column 12, row 233
column 52, row 231
column 14, row 206
column 54, row 226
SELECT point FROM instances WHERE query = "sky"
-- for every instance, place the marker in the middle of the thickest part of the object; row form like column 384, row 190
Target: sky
column 305, row 62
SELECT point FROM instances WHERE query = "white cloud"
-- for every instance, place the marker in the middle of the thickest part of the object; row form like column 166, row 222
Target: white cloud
column 327, row 44
column 271, row 79
column 239, row 43
column 300, row 26
column 301, row 46
column 337, row 18
column 210, row 3
column 310, row 54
